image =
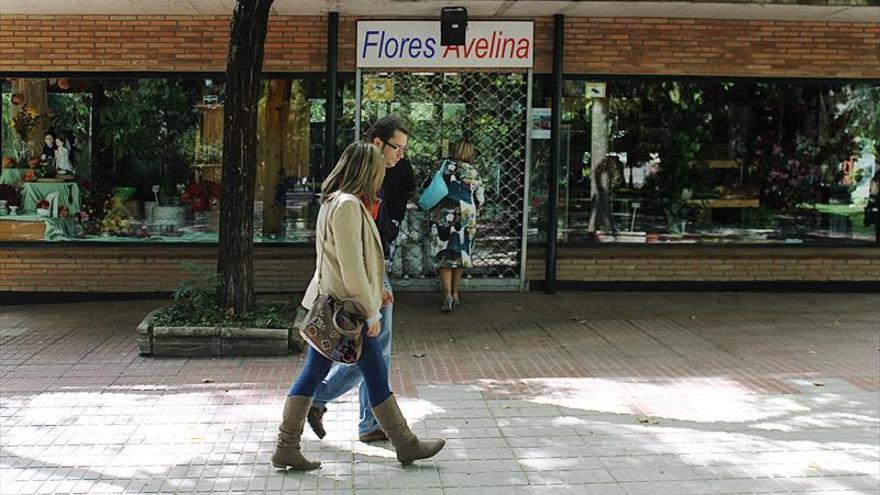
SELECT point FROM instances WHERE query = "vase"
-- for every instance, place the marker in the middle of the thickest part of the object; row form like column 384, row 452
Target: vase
column 169, row 215
column 149, row 206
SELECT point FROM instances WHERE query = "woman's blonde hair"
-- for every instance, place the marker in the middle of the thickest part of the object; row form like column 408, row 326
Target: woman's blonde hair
column 463, row 151
column 359, row 171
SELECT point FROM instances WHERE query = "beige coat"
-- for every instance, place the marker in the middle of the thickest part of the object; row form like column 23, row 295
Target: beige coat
column 353, row 262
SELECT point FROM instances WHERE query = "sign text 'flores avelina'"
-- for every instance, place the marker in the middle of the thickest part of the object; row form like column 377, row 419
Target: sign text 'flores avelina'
column 393, row 44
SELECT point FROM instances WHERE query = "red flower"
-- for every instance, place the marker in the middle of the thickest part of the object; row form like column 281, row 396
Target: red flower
column 201, row 195
column 42, row 204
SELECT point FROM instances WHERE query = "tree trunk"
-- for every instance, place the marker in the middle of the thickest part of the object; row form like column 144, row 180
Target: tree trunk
column 600, row 176
column 243, row 67
column 277, row 107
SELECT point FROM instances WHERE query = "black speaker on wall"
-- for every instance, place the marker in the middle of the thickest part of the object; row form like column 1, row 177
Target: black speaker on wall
column 453, row 25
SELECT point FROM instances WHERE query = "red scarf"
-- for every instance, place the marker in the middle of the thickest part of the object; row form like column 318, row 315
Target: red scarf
column 372, row 207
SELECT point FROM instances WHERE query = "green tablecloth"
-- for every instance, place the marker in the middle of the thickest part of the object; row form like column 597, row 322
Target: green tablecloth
column 12, row 176
column 56, row 228
column 33, row 192
column 194, row 237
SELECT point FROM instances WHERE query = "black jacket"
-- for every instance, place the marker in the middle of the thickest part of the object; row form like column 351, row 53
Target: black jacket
column 397, row 189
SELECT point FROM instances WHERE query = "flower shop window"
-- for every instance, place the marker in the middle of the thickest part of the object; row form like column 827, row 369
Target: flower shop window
column 123, row 165
column 679, row 161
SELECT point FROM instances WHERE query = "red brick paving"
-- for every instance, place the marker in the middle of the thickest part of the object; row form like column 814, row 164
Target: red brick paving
column 71, row 381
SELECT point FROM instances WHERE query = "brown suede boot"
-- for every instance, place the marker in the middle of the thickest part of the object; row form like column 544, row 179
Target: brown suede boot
column 376, row 435
column 316, row 420
column 408, row 446
column 287, row 453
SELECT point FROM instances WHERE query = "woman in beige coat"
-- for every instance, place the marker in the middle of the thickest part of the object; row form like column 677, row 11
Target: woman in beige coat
column 352, row 267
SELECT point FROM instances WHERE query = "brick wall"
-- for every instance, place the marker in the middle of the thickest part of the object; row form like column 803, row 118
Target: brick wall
column 109, row 269
column 74, row 268
column 151, row 43
column 709, row 264
column 722, row 47
column 593, row 45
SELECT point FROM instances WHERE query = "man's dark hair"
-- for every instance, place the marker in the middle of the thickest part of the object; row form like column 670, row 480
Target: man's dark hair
column 384, row 128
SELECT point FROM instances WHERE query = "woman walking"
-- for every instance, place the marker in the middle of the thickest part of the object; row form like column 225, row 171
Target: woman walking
column 454, row 220
column 352, row 268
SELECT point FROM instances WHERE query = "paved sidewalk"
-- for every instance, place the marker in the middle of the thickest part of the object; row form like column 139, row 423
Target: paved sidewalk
column 580, row 393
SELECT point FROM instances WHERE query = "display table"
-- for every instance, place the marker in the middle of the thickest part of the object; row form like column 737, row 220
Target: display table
column 727, row 202
column 35, row 228
column 13, row 176
column 33, row 192
column 188, row 237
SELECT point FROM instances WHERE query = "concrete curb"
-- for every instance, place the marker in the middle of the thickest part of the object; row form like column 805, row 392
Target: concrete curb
column 163, row 341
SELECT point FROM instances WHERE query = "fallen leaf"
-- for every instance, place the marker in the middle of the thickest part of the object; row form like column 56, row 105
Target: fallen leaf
column 645, row 420
column 207, row 380
column 819, row 384
column 418, row 355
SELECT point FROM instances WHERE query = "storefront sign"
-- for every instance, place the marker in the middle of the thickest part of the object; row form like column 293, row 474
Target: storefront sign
column 414, row 44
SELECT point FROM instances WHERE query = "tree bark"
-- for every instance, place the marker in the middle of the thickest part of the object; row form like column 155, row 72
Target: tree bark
column 243, row 67
column 276, row 121
column 600, row 176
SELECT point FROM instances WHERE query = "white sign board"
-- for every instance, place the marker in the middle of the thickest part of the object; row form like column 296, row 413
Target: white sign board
column 541, row 123
column 595, row 89
column 416, row 44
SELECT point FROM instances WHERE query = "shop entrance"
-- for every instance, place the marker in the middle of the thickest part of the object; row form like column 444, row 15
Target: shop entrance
column 491, row 110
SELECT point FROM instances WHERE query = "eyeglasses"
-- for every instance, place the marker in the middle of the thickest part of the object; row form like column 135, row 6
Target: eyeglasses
column 396, row 147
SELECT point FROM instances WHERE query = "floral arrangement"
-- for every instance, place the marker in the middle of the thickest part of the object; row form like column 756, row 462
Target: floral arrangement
column 790, row 180
column 201, row 196
column 25, row 119
column 37, row 169
column 118, row 219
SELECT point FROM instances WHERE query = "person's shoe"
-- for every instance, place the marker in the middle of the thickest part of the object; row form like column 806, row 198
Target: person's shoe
column 315, row 419
column 377, row 435
column 287, row 452
column 456, row 302
column 408, row 447
column 447, row 304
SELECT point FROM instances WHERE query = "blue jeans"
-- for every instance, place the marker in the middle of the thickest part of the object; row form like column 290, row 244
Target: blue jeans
column 343, row 378
column 371, row 365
